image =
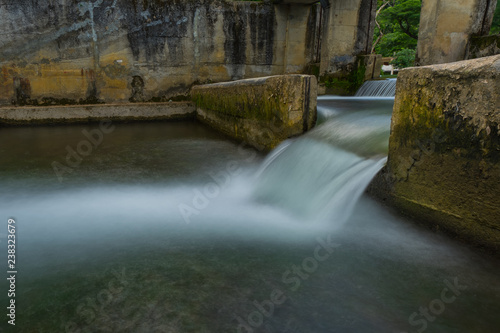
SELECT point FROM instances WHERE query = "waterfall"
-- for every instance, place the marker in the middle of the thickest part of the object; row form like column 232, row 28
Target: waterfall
column 378, row 88
column 321, row 175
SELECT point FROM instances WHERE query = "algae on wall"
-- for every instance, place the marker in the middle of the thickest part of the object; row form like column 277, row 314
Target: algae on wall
column 262, row 112
column 444, row 151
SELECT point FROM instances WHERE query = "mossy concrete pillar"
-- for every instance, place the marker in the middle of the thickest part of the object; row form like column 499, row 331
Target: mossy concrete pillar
column 444, row 150
column 347, row 34
column 262, row 112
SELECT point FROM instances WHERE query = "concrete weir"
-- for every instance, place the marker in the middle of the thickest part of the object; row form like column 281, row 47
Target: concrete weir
column 86, row 113
column 262, row 112
column 444, row 150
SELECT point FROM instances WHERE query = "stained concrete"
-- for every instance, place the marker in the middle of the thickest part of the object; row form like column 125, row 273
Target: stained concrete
column 447, row 26
column 347, row 37
column 483, row 46
column 108, row 51
column 86, row 113
column 444, row 150
column 262, row 112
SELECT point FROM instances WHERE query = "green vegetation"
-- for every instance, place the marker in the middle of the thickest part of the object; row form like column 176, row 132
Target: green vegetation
column 396, row 33
column 404, row 58
column 495, row 27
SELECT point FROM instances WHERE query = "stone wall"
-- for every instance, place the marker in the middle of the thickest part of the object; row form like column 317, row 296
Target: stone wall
column 96, row 51
column 262, row 112
column 444, row 150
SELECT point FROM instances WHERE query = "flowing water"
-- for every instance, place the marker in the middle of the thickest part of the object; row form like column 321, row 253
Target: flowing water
column 169, row 227
column 378, row 88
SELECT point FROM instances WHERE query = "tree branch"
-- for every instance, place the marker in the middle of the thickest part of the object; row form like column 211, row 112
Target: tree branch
column 378, row 25
column 406, row 29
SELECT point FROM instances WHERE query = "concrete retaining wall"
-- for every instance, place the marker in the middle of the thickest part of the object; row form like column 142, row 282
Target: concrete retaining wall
column 86, row 52
column 444, row 153
column 86, row 113
column 262, row 112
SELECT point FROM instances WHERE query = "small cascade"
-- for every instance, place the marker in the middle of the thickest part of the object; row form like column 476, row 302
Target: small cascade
column 378, row 88
column 322, row 174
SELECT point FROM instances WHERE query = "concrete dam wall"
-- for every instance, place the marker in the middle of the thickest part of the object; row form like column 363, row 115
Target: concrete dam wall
column 108, row 51
column 444, row 149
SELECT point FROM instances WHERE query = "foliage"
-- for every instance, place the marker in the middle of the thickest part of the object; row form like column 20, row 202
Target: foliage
column 404, row 58
column 397, row 26
column 495, row 27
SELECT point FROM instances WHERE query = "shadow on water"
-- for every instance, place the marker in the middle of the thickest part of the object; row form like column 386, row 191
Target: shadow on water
column 167, row 227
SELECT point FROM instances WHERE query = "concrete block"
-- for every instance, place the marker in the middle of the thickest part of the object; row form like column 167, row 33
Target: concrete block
column 444, row 150
column 261, row 112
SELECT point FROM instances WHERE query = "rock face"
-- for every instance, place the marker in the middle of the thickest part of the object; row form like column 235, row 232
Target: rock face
column 261, row 112
column 444, row 151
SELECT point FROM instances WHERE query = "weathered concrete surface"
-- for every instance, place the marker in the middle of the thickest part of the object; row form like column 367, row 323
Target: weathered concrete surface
column 295, row 2
column 86, row 113
column 347, row 35
column 261, row 112
column 444, row 150
column 81, row 52
column 446, row 26
column 483, row 46
column 373, row 64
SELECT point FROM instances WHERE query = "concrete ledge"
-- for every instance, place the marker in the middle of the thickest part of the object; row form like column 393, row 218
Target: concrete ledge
column 262, row 112
column 86, row 113
column 444, row 150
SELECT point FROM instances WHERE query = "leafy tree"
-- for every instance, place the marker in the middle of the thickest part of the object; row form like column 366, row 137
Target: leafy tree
column 397, row 26
column 404, row 58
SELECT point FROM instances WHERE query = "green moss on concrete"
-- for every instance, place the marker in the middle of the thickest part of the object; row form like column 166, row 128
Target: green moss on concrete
column 345, row 83
column 444, row 153
column 262, row 112
column 420, row 121
column 313, row 69
column 239, row 106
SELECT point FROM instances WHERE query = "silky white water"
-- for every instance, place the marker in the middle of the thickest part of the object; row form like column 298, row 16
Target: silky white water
column 378, row 88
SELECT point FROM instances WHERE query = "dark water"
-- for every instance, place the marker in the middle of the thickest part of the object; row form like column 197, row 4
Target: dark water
column 169, row 227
